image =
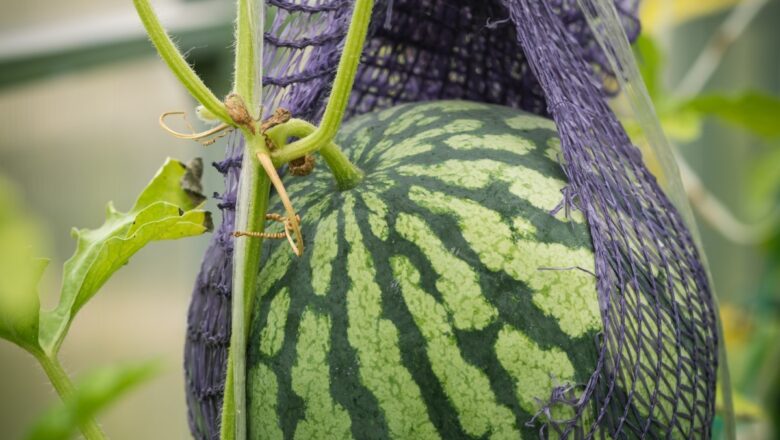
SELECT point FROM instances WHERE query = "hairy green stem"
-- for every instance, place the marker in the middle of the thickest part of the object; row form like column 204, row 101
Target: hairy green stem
column 347, row 175
column 176, row 62
column 64, row 387
column 227, row 426
column 345, row 78
column 254, row 185
column 251, row 206
column 247, row 79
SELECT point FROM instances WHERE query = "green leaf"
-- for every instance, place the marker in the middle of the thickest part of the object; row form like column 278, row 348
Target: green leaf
column 93, row 393
column 680, row 125
column 20, row 271
column 754, row 111
column 167, row 209
column 650, row 61
column 764, row 179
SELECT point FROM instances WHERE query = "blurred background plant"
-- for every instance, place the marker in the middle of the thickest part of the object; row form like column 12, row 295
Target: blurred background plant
column 711, row 71
column 81, row 89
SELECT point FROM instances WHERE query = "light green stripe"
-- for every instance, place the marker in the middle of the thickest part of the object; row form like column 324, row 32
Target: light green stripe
column 302, row 189
column 324, row 250
column 355, row 123
column 398, row 151
column 394, row 155
column 379, row 183
column 458, row 106
column 377, row 214
column 264, row 420
column 540, row 191
column 465, row 385
column 499, row 142
column 403, row 123
column 314, row 214
column 535, row 371
column 274, row 268
column 445, row 107
column 376, row 342
column 389, row 113
column 567, row 295
column 530, row 122
column 457, row 282
column 360, row 143
column 523, row 228
column 424, row 122
column 553, row 151
column 324, row 418
column 296, row 186
column 272, row 336
column 462, row 173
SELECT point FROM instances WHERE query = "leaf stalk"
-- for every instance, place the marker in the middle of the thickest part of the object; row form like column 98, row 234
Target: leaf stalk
column 65, row 389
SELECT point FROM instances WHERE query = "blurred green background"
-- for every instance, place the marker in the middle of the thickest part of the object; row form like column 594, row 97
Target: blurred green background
column 80, row 94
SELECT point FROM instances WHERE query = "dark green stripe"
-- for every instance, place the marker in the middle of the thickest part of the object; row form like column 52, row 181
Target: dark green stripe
column 311, row 381
column 465, row 385
column 412, row 344
column 368, row 420
column 376, row 342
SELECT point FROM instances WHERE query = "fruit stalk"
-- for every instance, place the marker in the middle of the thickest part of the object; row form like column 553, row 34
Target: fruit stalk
column 347, row 175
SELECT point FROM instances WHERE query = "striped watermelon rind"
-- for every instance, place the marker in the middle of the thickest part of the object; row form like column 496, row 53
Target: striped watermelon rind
column 437, row 299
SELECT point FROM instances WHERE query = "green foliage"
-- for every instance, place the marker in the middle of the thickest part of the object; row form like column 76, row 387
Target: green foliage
column 755, row 111
column 680, row 124
column 168, row 208
column 20, row 271
column 95, row 392
column 752, row 340
column 764, row 180
column 163, row 211
column 650, row 60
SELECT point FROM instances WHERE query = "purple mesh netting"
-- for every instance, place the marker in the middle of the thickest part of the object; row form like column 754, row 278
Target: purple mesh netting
column 656, row 373
column 656, row 370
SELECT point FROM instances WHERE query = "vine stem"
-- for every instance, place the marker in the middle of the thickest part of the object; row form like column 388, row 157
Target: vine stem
column 176, row 62
column 251, row 207
column 65, row 389
column 342, row 86
column 248, row 78
column 254, row 185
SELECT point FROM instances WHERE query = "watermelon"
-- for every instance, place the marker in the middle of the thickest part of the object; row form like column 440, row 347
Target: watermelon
column 438, row 299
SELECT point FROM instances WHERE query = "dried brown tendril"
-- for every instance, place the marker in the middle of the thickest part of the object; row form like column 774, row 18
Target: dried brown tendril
column 288, row 229
column 279, row 117
column 238, row 112
column 205, row 138
column 240, row 115
column 302, row 166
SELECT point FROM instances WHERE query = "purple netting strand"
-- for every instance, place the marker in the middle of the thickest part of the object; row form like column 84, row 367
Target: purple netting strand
column 656, row 372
